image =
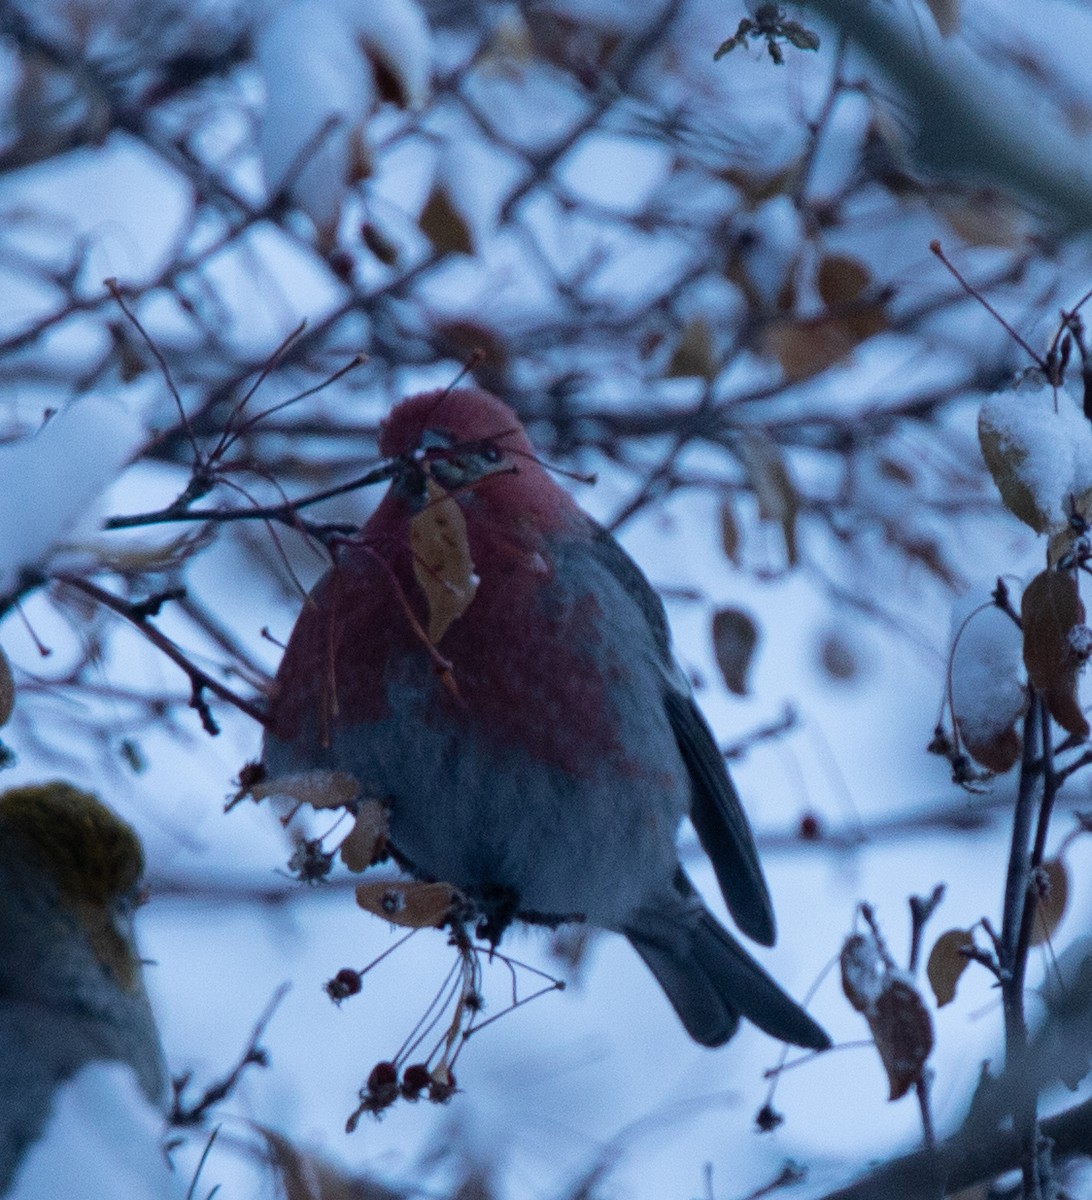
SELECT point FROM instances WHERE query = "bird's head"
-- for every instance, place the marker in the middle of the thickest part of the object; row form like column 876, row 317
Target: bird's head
column 473, row 446
column 55, row 838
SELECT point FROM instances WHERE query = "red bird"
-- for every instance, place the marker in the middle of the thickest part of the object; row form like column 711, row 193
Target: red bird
column 522, row 714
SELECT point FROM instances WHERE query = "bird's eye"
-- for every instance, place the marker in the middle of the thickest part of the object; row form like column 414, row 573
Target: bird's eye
column 490, row 454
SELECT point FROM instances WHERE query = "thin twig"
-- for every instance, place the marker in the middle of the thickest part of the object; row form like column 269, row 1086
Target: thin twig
column 200, row 681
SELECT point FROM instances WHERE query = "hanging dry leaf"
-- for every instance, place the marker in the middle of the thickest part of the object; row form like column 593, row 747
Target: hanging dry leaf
column 366, row 843
column 1050, row 900
column 773, row 487
column 319, row 788
column 444, row 226
column 730, row 536
column 838, row 656
column 841, row 280
column 903, row 1032
column 462, row 337
column 384, row 248
column 694, row 354
column 997, row 754
column 756, row 188
column 983, row 217
column 1052, row 611
column 412, row 905
column 306, row 1175
column 896, row 1014
column 441, row 560
column 863, row 971
column 947, row 962
column 735, row 636
column 806, row 347
column 7, row 689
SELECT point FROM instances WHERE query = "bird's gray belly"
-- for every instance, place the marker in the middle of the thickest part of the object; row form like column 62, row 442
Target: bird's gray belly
column 489, row 819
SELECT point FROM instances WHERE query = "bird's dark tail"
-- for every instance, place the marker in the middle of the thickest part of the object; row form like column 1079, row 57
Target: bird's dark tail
column 712, row 981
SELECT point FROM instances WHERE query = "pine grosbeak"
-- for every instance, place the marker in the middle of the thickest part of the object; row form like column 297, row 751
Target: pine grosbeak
column 546, row 767
column 71, row 991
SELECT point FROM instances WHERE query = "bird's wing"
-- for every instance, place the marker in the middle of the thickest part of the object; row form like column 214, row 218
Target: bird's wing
column 721, row 824
column 715, row 809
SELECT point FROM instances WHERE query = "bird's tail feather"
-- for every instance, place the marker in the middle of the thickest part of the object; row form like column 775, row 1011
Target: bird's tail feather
column 712, row 981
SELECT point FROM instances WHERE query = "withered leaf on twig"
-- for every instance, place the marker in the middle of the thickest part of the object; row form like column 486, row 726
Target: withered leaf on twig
column 1051, row 610
column 413, row 905
column 367, row 840
column 1050, row 901
column 735, row 636
column 441, row 560
column 896, row 1014
column 947, row 962
column 319, row 788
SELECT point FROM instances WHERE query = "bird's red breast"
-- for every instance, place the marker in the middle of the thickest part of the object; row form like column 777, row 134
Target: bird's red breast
column 527, row 661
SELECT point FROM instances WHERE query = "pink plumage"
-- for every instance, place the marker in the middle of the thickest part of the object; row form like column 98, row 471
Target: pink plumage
column 542, row 753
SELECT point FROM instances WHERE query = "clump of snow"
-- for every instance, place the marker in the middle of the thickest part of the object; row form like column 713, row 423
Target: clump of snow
column 51, row 479
column 1038, row 445
column 987, row 669
column 315, row 60
column 395, row 33
column 103, row 1140
column 319, row 91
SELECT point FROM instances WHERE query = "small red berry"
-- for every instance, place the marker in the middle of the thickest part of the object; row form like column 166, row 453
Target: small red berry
column 415, row 1079
column 382, row 1087
column 811, row 830
column 344, row 984
column 441, row 1085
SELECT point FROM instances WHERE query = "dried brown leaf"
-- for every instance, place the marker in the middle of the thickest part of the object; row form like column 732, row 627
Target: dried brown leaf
column 444, row 226
column 896, row 1014
column 694, row 353
column 730, row 535
column 997, row 753
column 1050, row 906
column 1004, row 458
column 838, row 656
column 841, row 280
column 441, row 560
column 319, row 788
column 756, row 188
column 983, row 218
column 903, row 1032
column 305, row 1175
column 412, row 905
column 735, row 637
column 1051, row 609
column 773, row 487
column 947, row 963
column 367, row 840
column 807, row 348
column 863, row 970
